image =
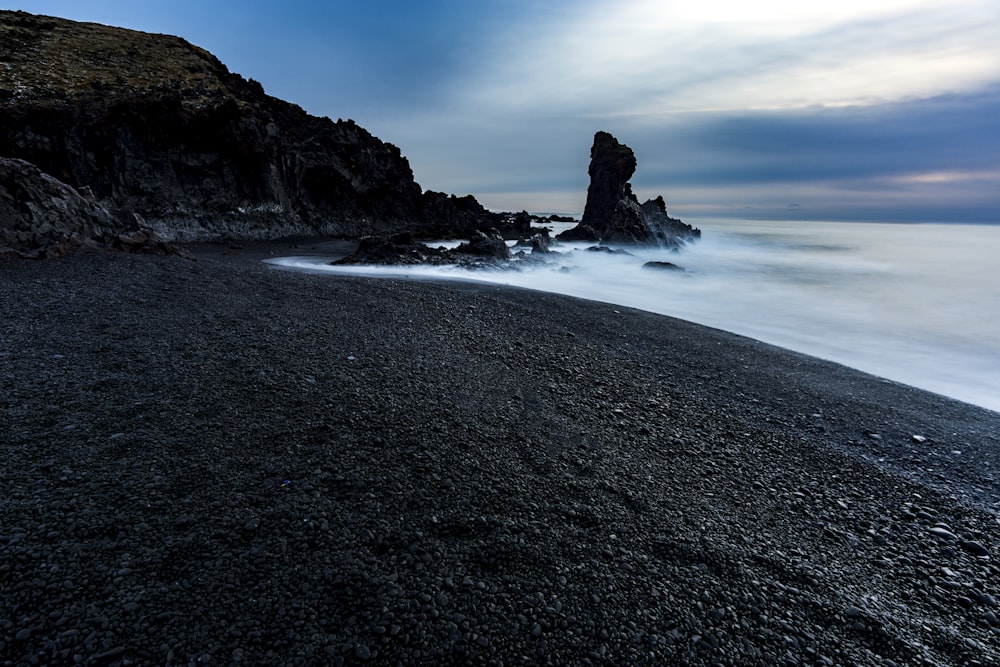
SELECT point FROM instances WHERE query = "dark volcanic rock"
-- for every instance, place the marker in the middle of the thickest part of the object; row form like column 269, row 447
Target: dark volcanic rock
column 398, row 249
column 540, row 244
column 491, row 246
column 667, row 231
column 480, row 250
column 613, row 213
column 662, row 266
column 155, row 125
column 612, row 210
column 42, row 217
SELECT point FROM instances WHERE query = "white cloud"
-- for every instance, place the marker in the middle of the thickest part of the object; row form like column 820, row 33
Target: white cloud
column 649, row 57
column 515, row 129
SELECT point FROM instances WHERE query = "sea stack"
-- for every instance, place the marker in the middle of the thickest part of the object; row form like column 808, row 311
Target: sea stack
column 613, row 214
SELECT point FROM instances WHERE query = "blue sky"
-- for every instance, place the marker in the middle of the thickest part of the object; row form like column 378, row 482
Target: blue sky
column 853, row 109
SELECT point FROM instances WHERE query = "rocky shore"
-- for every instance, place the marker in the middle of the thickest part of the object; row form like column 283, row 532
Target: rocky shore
column 218, row 462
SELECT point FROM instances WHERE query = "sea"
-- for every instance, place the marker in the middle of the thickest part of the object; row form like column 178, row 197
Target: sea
column 913, row 303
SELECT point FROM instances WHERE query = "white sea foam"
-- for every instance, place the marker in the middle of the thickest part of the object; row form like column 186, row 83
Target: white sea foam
column 919, row 304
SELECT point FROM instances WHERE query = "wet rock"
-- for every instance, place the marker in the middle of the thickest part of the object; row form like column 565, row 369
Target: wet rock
column 662, row 266
column 488, row 246
column 397, row 249
column 540, row 244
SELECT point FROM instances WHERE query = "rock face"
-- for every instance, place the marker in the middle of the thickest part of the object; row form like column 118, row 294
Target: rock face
column 42, row 217
column 613, row 213
column 155, row 125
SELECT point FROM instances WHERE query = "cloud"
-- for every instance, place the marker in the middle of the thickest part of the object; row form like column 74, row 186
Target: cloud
column 768, row 105
column 645, row 58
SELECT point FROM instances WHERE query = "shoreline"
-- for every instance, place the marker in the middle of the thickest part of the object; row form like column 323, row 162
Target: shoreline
column 221, row 460
column 818, row 302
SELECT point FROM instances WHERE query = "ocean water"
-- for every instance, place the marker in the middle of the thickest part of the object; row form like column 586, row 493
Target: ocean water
column 914, row 303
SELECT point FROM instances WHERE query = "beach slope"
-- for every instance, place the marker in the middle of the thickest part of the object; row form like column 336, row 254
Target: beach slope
column 219, row 461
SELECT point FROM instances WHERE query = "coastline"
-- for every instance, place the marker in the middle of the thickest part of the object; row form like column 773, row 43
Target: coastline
column 219, row 459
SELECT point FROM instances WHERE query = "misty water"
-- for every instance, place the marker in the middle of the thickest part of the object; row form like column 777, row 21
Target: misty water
column 918, row 304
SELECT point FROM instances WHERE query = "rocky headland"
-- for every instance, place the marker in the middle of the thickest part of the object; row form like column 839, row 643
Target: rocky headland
column 153, row 125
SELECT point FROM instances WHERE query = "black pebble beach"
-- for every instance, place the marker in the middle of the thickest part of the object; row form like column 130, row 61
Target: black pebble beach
column 220, row 462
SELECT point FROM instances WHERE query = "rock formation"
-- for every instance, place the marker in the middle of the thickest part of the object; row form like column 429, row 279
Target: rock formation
column 42, row 217
column 155, row 125
column 613, row 213
column 481, row 251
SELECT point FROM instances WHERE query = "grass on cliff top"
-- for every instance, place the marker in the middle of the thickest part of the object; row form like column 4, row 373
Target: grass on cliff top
column 47, row 59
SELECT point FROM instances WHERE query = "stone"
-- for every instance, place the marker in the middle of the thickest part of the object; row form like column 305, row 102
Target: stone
column 396, row 249
column 540, row 244
column 943, row 533
column 663, row 266
column 975, row 548
column 403, row 249
column 491, row 246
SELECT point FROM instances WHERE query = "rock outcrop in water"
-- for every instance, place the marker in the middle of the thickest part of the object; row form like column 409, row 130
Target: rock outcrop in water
column 155, row 125
column 481, row 251
column 613, row 213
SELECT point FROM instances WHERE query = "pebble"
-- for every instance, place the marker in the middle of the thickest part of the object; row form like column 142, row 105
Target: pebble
column 975, row 548
column 943, row 533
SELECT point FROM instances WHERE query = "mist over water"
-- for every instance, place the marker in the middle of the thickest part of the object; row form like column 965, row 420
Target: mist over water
column 918, row 304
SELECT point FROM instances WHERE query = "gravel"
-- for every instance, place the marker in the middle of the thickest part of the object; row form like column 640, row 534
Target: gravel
column 218, row 462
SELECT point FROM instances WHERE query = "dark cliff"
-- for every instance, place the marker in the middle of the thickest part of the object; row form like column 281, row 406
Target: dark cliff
column 155, row 125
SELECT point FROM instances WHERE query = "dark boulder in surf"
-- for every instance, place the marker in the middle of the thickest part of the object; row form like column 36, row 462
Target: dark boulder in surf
column 662, row 266
column 480, row 251
column 490, row 246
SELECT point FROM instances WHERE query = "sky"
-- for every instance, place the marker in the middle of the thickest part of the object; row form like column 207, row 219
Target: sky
column 883, row 110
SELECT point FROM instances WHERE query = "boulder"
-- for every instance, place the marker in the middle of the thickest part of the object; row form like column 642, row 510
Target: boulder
column 480, row 251
column 42, row 217
column 540, row 244
column 488, row 246
column 662, row 266
column 667, row 231
column 396, row 249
